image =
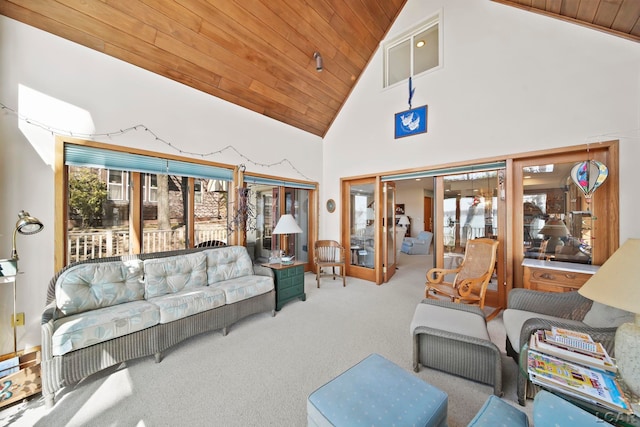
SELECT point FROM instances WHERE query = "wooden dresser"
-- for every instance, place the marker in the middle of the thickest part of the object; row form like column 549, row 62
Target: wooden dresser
column 555, row 276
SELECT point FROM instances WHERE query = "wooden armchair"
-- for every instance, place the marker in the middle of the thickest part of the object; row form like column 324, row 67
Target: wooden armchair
column 472, row 276
column 329, row 253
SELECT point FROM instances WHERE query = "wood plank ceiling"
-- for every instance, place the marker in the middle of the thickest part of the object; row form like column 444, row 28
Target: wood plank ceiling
column 258, row 54
column 617, row 17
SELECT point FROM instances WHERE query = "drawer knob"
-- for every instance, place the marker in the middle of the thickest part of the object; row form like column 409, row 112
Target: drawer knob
column 547, row 276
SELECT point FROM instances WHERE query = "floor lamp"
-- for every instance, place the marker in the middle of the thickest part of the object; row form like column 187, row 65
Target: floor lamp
column 26, row 224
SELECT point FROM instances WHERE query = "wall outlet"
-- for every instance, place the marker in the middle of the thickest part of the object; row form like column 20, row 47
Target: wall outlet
column 19, row 320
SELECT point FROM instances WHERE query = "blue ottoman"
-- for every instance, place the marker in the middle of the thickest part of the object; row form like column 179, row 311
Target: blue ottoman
column 377, row 392
column 497, row 413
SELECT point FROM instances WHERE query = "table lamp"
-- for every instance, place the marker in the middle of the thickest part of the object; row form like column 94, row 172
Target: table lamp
column 617, row 284
column 404, row 221
column 287, row 225
column 555, row 229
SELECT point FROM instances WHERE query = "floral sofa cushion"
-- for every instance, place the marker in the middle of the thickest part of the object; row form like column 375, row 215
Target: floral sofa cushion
column 85, row 329
column 187, row 302
column 245, row 287
column 96, row 285
column 173, row 274
column 228, row 263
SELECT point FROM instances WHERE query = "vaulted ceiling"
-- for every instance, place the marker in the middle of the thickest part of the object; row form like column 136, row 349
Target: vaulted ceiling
column 617, row 17
column 259, row 54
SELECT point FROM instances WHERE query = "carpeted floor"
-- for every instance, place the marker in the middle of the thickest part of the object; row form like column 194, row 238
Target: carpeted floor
column 261, row 373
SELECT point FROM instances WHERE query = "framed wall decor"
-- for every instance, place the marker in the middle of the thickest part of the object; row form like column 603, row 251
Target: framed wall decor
column 331, row 205
column 411, row 122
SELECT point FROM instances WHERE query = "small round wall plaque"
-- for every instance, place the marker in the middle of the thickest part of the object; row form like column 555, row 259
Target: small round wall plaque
column 331, row 205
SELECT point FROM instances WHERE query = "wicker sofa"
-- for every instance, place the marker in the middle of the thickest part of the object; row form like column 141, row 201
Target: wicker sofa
column 106, row 311
column 529, row 310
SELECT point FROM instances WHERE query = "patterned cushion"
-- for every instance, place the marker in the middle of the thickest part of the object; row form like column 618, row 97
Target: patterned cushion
column 85, row 329
column 173, row 274
column 91, row 286
column 227, row 263
column 190, row 301
column 245, row 287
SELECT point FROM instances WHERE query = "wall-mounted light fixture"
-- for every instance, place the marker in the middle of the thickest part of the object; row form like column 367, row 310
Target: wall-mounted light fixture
column 26, row 224
column 318, row 58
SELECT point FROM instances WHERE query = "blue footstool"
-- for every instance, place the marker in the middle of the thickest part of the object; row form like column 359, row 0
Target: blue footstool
column 377, row 392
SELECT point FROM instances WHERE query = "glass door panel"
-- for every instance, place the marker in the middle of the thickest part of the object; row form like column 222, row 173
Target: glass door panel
column 297, row 203
column 470, row 207
column 389, row 230
column 359, row 235
column 557, row 219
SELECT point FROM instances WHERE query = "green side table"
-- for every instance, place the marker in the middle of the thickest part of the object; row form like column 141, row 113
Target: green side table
column 289, row 281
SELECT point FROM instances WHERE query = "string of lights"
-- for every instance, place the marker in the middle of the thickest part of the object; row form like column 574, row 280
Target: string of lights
column 57, row 131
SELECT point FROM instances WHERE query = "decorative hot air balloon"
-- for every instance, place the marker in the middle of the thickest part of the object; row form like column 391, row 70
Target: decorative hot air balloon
column 588, row 176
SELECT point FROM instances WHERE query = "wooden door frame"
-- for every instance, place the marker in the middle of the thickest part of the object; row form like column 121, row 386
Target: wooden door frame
column 605, row 205
column 608, row 204
column 388, row 269
column 374, row 274
column 428, row 227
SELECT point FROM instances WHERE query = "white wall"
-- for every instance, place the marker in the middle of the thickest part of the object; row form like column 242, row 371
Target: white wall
column 511, row 82
column 67, row 86
column 413, row 199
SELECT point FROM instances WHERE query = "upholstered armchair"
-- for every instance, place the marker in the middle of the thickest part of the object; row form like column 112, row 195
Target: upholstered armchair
column 417, row 245
column 529, row 310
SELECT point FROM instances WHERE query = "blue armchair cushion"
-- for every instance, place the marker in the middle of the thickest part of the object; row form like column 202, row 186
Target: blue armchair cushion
column 417, row 245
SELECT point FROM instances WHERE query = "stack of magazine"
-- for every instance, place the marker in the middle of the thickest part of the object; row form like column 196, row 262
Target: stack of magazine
column 572, row 363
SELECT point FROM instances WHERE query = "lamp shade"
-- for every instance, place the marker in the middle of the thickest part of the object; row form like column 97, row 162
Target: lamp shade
column 287, row 225
column 26, row 224
column 616, row 284
column 555, row 228
column 403, row 220
column 617, row 281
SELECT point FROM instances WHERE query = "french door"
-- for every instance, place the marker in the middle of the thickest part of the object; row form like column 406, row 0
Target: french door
column 471, row 205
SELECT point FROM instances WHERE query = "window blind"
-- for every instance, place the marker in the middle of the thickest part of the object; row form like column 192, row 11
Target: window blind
column 446, row 171
column 81, row 155
column 278, row 182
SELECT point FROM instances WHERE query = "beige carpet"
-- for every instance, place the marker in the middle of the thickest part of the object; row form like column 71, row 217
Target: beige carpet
column 261, row 373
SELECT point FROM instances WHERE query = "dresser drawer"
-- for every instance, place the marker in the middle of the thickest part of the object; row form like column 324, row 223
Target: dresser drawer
column 284, row 293
column 549, row 280
column 289, row 282
column 298, row 270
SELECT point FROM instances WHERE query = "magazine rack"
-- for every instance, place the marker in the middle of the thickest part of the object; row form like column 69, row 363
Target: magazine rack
column 24, row 379
column 608, row 415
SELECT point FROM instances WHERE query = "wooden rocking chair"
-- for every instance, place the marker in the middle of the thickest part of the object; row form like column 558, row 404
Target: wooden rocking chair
column 472, row 276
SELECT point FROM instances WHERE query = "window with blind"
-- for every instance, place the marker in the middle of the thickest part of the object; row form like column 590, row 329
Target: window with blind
column 108, row 214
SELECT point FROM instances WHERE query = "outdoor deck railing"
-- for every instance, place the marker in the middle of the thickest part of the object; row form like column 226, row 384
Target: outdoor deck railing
column 104, row 243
